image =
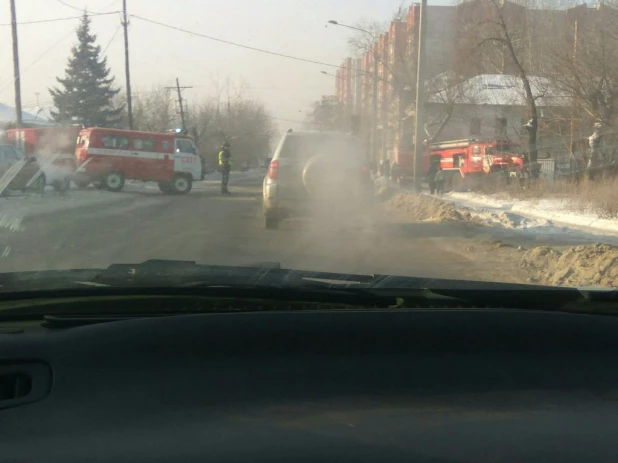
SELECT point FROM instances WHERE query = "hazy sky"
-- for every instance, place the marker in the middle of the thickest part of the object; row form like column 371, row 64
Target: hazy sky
column 159, row 55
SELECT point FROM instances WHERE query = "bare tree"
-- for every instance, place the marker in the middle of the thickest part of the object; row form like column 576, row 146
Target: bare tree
column 587, row 64
column 154, row 111
column 496, row 31
column 229, row 114
column 446, row 90
column 325, row 114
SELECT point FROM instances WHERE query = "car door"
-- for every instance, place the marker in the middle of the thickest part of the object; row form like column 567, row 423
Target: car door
column 10, row 156
column 186, row 158
column 4, row 161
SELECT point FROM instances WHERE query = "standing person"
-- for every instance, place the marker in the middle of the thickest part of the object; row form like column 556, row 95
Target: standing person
column 386, row 168
column 225, row 165
column 431, row 175
column 395, row 172
column 439, row 179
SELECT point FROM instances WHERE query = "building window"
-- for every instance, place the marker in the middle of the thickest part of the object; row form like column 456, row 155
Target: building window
column 147, row 144
column 501, row 127
column 475, row 126
column 115, row 141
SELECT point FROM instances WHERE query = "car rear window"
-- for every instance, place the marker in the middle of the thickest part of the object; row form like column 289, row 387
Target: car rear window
column 306, row 146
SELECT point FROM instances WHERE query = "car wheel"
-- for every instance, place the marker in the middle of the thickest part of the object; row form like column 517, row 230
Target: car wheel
column 62, row 185
column 165, row 188
column 181, row 184
column 114, row 181
column 270, row 222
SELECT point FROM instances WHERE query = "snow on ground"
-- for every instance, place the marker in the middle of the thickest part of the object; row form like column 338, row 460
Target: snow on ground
column 552, row 211
column 483, row 211
column 588, row 263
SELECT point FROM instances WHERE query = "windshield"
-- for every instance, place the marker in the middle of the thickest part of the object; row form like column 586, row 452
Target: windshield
column 503, row 149
column 211, row 136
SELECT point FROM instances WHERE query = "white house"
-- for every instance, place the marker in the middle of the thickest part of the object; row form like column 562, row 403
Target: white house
column 493, row 106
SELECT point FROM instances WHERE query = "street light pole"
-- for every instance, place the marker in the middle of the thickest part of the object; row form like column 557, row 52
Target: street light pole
column 374, row 141
column 420, row 99
column 16, row 73
column 374, row 109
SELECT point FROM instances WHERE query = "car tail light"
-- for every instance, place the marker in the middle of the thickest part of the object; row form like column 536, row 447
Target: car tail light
column 273, row 170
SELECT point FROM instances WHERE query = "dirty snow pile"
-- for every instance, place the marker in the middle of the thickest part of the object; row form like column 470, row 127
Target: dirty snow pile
column 427, row 208
column 581, row 266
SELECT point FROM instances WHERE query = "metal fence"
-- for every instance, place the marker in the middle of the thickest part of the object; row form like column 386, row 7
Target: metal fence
column 548, row 169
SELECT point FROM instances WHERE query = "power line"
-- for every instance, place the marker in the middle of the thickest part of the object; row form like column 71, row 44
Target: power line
column 240, row 45
column 40, row 57
column 24, row 23
column 112, row 39
column 83, row 9
column 70, row 6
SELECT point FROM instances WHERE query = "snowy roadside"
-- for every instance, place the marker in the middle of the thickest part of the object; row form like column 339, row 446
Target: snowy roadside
column 487, row 213
column 569, row 256
column 552, row 212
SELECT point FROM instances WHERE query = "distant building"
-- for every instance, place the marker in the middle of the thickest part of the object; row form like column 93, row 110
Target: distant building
column 8, row 116
column 493, row 106
column 397, row 48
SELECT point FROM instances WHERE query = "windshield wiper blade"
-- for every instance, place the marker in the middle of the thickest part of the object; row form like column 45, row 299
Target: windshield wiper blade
column 48, row 279
column 385, row 289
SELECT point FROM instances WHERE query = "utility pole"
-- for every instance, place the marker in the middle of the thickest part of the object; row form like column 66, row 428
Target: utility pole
column 374, row 126
column 179, row 89
column 420, row 99
column 17, row 78
column 125, row 25
column 573, row 107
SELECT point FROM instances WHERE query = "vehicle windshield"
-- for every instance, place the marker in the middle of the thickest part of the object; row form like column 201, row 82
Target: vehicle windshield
column 503, row 148
column 194, row 131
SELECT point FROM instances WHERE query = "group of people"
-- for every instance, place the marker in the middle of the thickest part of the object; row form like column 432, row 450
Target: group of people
column 435, row 176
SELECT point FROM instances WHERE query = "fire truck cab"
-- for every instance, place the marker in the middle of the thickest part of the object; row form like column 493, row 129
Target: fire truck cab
column 468, row 162
column 108, row 157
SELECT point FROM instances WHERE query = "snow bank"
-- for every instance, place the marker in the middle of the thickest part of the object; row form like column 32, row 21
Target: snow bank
column 559, row 211
column 428, row 208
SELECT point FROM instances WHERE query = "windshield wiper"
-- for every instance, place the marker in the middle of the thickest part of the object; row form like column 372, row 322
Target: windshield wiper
column 269, row 281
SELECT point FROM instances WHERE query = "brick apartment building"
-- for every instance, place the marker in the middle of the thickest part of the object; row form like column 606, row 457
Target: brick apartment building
column 396, row 51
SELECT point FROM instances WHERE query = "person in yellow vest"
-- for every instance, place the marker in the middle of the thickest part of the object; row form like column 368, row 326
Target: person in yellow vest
column 225, row 165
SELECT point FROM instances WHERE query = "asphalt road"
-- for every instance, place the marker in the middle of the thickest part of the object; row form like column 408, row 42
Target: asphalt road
column 91, row 228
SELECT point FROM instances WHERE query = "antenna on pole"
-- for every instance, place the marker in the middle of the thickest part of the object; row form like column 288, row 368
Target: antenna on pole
column 179, row 89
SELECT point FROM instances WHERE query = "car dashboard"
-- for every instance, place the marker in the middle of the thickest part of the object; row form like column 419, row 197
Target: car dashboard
column 440, row 385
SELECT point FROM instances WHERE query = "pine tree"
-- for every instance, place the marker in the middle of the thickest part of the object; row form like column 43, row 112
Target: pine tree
column 86, row 93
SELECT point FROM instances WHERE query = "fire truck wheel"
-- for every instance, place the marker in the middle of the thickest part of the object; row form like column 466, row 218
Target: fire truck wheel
column 181, row 184
column 165, row 188
column 114, row 181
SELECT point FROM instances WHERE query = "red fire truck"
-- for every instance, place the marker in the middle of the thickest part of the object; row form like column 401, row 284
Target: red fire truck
column 53, row 147
column 107, row 157
column 468, row 162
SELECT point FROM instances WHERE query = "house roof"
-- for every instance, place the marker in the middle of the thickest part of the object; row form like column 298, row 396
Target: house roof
column 503, row 90
column 7, row 114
